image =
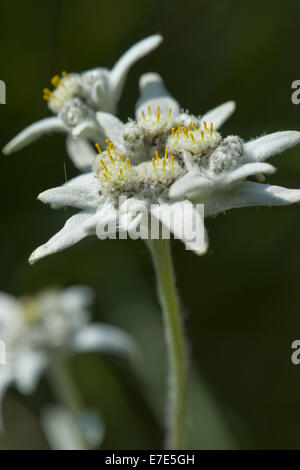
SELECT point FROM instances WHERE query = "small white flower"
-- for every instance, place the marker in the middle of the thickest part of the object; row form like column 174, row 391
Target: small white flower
column 75, row 99
column 39, row 330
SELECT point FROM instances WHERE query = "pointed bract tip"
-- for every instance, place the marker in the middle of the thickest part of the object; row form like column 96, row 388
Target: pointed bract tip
column 7, row 149
column 32, row 260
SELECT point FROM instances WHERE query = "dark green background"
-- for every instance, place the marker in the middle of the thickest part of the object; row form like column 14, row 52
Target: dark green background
column 241, row 301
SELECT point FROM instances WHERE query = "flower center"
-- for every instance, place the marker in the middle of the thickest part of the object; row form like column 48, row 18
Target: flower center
column 31, row 310
column 155, row 124
column 159, row 173
column 195, row 142
column 115, row 173
column 65, row 88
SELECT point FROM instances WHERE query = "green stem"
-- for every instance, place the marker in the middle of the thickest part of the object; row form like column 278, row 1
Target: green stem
column 177, row 393
column 66, row 391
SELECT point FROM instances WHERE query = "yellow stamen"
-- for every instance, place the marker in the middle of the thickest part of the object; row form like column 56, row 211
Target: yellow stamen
column 164, row 163
column 177, row 133
column 64, row 73
column 194, row 126
column 153, row 161
column 157, row 156
column 111, row 159
column 170, row 112
column 105, row 175
column 166, row 153
column 48, row 95
column 103, row 164
column 128, row 163
column 149, row 109
column 189, row 128
column 56, row 80
column 192, row 136
column 112, row 146
column 185, row 132
column 46, row 91
column 143, row 114
column 107, row 141
column 158, row 113
column 211, row 128
column 205, row 125
column 172, row 158
column 173, row 132
column 121, row 172
column 179, row 126
column 121, row 157
column 202, row 135
column 98, row 148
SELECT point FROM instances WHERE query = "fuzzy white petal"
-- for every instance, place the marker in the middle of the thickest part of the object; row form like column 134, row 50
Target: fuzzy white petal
column 76, row 298
column 119, row 72
column 9, row 309
column 184, row 214
column 103, row 338
column 88, row 129
column 249, row 169
column 264, row 147
column 33, row 132
column 112, row 128
column 28, row 370
column 76, row 228
column 219, row 114
column 81, row 153
column 153, row 93
column 248, row 194
column 200, row 187
column 81, row 192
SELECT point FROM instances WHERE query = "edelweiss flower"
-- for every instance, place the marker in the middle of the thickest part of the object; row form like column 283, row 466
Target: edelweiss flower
column 40, row 331
column 76, row 98
column 166, row 161
column 137, row 165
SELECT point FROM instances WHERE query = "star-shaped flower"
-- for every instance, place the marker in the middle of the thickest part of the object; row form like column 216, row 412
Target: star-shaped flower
column 137, row 165
column 41, row 330
column 75, row 100
column 166, row 161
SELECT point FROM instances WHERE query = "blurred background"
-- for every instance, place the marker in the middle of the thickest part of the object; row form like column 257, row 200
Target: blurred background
column 240, row 301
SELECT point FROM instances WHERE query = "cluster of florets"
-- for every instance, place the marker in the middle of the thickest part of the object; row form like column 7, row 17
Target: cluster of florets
column 193, row 143
column 74, row 96
column 141, row 138
column 167, row 149
column 66, row 87
column 50, row 319
column 227, row 156
column 114, row 171
column 159, row 173
column 118, row 176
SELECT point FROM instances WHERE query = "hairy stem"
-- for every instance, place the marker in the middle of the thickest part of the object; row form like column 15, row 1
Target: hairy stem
column 177, row 357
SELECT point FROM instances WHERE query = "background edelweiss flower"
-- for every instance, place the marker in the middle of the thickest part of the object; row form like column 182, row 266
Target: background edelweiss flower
column 43, row 330
column 75, row 100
